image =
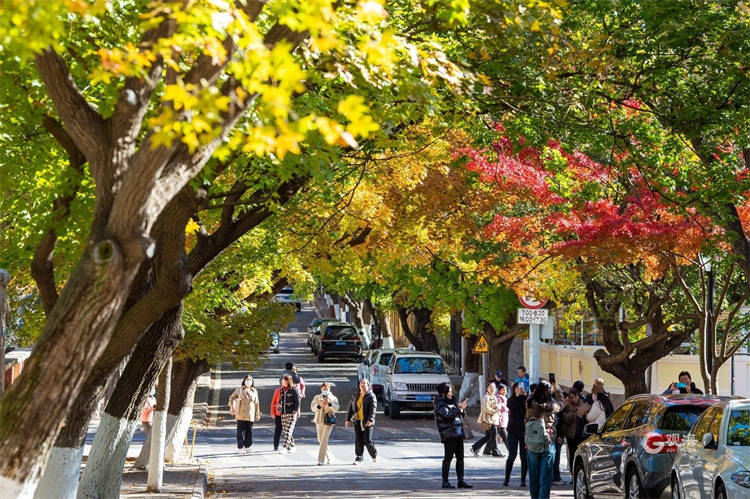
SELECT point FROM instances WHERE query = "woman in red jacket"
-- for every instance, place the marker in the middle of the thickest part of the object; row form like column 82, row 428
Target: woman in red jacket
column 276, row 417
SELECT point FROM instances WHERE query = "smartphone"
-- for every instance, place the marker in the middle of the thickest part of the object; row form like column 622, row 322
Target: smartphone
column 551, row 377
column 680, row 385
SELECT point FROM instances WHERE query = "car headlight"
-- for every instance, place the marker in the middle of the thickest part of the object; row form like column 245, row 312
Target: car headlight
column 742, row 478
column 399, row 387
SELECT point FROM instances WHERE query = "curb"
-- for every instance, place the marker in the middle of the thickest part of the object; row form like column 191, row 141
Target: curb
column 200, row 486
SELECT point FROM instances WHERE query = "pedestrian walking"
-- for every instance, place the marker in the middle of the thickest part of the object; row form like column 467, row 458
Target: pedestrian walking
column 276, row 414
column 489, row 419
column 502, row 428
column 559, row 398
column 540, row 439
column 324, row 407
column 289, row 408
column 291, row 371
column 245, row 407
column 361, row 415
column 147, row 413
column 516, row 431
column 449, row 419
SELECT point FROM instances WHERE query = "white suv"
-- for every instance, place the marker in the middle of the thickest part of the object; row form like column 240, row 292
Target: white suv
column 411, row 381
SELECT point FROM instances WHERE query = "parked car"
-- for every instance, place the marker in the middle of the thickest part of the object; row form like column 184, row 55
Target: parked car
column 634, row 451
column 714, row 461
column 286, row 295
column 340, row 340
column 411, row 381
column 316, row 334
column 314, row 325
column 374, row 368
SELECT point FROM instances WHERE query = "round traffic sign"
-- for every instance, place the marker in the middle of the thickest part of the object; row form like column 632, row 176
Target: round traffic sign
column 529, row 302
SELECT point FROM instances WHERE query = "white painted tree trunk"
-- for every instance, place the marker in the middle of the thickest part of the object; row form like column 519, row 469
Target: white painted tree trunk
column 102, row 476
column 388, row 342
column 61, row 474
column 177, row 436
column 12, row 489
column 159, row 431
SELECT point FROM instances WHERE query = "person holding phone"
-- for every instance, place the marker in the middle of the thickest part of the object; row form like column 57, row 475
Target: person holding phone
column 684, row 385
column 449, row 419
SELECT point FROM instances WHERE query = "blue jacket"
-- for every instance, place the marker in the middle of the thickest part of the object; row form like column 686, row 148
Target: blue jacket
column 524, row 380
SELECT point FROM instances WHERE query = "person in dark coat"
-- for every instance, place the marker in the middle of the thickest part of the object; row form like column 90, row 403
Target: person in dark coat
column 361, row 414
column 516, row 432
column 450, row 425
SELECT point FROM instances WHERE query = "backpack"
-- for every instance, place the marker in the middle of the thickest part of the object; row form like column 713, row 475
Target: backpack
column 537, row 436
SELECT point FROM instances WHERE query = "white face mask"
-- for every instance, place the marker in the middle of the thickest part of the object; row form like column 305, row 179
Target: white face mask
column 248, row 383
column 325, row 392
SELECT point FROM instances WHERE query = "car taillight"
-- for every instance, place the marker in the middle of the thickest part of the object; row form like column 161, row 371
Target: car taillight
column 660, row 443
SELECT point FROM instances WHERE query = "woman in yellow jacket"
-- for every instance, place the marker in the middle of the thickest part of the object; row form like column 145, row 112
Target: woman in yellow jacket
column 488, row 419
column 245, row 407
column 324, row 407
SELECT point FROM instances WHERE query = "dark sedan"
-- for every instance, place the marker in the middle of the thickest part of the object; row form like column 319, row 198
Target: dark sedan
column 633, row 453
column 340, row 340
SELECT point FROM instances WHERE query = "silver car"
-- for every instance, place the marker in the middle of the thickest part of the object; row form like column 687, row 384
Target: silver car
column 714, row 461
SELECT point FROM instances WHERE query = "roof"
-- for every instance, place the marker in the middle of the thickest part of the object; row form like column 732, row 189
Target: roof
column 417, row 353
column 682, row 399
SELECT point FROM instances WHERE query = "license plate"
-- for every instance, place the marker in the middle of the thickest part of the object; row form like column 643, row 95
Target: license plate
column 424, row 398
column 340, row 343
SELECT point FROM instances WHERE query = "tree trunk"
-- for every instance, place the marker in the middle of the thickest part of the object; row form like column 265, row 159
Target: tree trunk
column 103, row 473
column 159, row 430
column 635, row 383
column 77, row 331
column 422, row 336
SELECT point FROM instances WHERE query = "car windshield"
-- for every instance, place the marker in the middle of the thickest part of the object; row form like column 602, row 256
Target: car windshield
column 341, row 333
column 738, row 432
column 681, row 417
column 385, row 359
column 419, row 365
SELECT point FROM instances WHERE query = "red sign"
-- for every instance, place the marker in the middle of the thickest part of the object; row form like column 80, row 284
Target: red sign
column 529, row 302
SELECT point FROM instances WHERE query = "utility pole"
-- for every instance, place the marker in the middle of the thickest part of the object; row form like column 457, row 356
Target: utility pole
column 4, row 280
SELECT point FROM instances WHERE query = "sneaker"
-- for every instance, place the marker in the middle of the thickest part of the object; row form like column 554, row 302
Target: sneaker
column 523, row 484
column 375, row 459
column 506, row 484
column 464, row 485
column 321, row 463
column 448, row 485
column 502, row 454
column 248, row 450
column 357, row 461
column 474, row 452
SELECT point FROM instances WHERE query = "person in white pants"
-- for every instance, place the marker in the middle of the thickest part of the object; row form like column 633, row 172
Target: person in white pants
column 324, row 407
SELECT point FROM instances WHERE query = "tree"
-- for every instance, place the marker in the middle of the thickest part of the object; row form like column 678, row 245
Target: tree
column 615, row 233
column 147, row 123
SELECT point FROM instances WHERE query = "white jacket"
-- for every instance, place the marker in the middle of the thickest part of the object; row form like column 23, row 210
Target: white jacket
column 597, row 414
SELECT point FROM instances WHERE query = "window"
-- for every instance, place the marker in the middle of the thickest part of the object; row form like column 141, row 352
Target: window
column 341, row 333
column 738, row 432
column 704, row 422
column 716, row 425
column 419, row 365
column 617, row 418
column 680, row 418
column 638, row 416
column 385, row 359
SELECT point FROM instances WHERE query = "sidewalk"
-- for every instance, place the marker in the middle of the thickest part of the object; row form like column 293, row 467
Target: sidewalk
column 180, row 481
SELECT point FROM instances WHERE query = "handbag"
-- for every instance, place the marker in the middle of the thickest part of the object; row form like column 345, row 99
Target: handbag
column 329, row 419
column 468, row 433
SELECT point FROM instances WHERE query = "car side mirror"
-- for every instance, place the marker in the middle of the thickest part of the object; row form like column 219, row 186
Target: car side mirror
column 591, row 429
column 708, row 441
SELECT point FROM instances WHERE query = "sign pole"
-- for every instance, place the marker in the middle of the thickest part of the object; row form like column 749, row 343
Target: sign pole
column 485, row 365
column 534, row 352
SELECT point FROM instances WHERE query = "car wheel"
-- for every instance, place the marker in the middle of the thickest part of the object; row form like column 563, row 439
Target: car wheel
column 721, row 492
column 321, row 357
column 580, row 486
column 634, row 488
column 675, row 487
column 395, row 410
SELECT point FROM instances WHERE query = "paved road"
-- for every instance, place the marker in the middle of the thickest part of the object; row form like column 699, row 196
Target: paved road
column 409, row 450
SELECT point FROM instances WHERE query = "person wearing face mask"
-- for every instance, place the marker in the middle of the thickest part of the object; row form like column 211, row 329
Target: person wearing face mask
column 324, row 407
column 245, row 407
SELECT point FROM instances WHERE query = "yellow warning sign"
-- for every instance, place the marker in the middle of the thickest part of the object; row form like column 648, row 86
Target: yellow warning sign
column 481, row 346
